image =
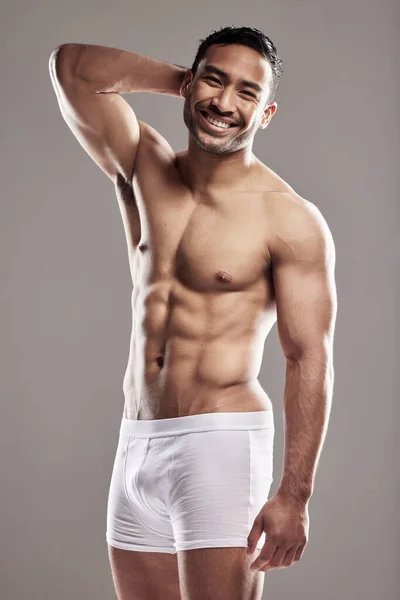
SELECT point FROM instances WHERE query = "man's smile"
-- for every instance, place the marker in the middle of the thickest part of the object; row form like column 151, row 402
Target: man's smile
column 215, row 123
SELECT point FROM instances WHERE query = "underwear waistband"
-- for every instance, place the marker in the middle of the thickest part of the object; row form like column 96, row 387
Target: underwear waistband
column 262, row 419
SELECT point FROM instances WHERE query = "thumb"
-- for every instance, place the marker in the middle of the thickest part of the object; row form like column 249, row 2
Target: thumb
column 254, row 535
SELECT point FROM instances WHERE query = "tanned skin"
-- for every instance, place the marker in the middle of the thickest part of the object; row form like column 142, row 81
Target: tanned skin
column 220, row 248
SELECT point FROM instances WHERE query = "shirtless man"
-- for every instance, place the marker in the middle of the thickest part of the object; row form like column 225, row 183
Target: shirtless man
column 220, row 247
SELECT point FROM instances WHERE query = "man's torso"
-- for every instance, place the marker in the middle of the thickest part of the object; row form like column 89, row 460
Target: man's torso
column 203, row 296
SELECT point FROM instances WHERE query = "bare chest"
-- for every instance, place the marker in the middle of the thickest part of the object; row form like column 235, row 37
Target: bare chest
column 208, row 244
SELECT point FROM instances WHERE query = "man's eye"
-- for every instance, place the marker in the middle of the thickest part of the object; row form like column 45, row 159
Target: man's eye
column 218, row 81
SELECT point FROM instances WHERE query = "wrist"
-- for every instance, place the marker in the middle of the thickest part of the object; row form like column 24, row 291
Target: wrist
column 294, row 492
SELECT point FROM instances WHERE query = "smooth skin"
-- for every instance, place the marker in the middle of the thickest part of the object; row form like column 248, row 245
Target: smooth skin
column 220, row 247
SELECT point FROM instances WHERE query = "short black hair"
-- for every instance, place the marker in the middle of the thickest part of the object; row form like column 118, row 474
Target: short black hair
column 246, row 36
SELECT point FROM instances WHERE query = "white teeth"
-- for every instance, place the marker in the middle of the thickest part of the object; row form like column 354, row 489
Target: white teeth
column 217, row 123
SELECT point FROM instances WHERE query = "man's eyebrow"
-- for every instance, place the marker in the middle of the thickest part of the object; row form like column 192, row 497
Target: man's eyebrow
column 245, row 82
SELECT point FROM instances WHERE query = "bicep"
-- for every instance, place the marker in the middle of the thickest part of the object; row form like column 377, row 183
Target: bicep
column 104, row 124
column 305, row 293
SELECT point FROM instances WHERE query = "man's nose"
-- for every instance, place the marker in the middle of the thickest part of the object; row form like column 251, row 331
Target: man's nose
column 224, row 101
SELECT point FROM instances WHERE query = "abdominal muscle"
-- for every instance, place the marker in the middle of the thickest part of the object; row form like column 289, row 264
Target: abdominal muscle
column 195, row 354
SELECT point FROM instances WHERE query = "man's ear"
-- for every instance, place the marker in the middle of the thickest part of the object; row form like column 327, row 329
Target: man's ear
column 186, row 83
column 268, row 114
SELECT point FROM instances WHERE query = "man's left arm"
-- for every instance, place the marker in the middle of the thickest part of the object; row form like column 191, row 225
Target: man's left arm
column 306, row 313
column 303, row 263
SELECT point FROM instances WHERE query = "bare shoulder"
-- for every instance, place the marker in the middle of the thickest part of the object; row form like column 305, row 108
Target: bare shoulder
column 151, row 138
column 154, row 148
column 293, row 216
column 300, row 229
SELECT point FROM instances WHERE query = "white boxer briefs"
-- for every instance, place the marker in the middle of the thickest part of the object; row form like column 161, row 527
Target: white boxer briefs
column 196, row 481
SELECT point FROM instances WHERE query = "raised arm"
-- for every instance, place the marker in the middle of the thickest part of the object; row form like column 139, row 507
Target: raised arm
column 303, row 272
column 88, row 79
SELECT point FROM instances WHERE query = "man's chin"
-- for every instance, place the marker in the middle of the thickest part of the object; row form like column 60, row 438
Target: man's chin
column 210, row 144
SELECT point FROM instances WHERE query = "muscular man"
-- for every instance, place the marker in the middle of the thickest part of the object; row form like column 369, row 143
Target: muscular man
column 220, row 247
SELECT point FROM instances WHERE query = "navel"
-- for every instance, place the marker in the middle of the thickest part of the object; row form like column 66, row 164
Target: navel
column 223, row 276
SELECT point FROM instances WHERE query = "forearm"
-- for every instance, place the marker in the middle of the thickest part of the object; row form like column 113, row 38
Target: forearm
column 307, row 404
column 104, row 69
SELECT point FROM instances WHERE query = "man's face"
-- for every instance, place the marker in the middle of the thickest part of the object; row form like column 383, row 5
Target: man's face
column 222, row 90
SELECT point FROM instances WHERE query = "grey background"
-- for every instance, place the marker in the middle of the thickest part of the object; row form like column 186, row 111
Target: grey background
column 65, row 286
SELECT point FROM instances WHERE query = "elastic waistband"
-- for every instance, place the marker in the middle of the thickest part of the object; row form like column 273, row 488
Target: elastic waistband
column 263, row 419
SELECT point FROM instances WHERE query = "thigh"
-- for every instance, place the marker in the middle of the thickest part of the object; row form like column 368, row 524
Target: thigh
column 219, row 574
column 144, row 575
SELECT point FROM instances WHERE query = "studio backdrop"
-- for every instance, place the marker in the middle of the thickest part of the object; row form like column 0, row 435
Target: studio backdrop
column 65, row 284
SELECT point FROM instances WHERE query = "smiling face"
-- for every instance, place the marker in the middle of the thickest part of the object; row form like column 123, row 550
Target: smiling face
column 230, row 87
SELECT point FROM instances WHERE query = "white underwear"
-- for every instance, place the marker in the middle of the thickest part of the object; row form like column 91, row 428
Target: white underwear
column 197, row 481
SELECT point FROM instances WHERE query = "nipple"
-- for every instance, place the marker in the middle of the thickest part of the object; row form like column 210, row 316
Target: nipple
column 143, row 246
column 223, row 276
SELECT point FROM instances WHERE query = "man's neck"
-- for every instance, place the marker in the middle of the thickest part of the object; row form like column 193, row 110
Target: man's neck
column 204, row 171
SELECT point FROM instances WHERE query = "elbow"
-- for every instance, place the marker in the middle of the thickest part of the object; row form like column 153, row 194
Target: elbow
column 63, row 62
column 313, row 354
